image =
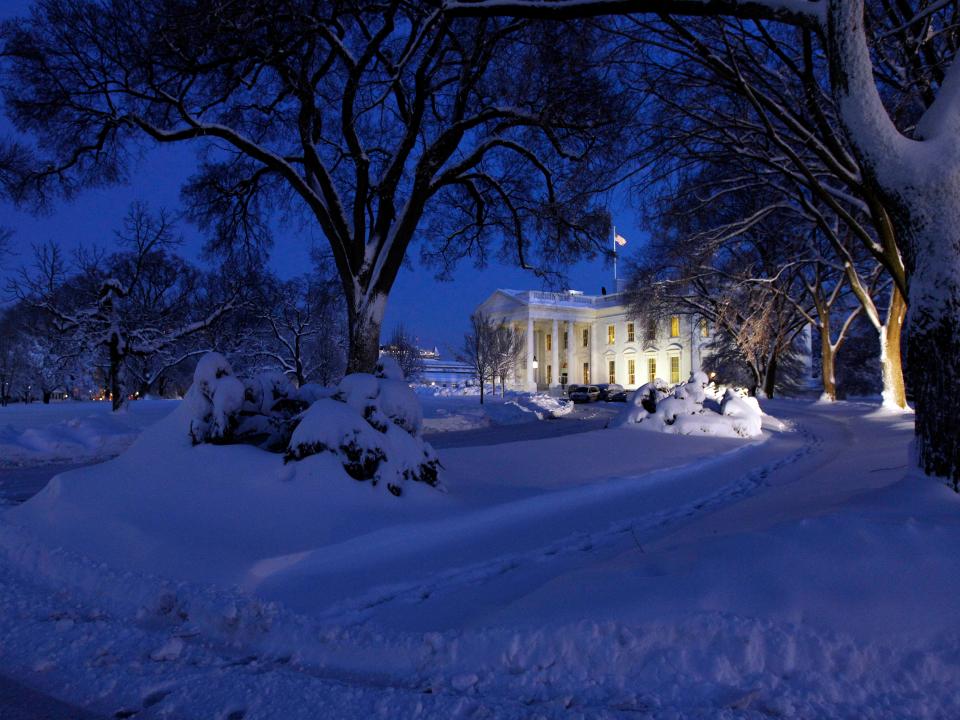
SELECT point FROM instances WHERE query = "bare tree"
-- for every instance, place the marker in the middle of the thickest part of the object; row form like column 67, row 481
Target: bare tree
column 11, row 356
column 477, row 349
column 299, row 328
column 728, row 95
column 363, row 117
column 507, row 347
column 914, row 51
column 746, row 284
column 132, row 304
column 402, row 347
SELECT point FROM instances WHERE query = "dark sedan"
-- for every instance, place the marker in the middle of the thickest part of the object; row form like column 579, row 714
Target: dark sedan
column 611, row 392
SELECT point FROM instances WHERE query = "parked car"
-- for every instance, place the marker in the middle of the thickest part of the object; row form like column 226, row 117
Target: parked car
column 611, row 392
column 583, row 393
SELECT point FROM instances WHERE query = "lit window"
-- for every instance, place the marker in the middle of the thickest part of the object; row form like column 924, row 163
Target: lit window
column 586, row 373
column 704, row 329
column 631, row 336
column 651, row 369
column 586, row 338
column 549, row 342
column 549, row 373
column 612, row 371
column 675, row 326
column 674, row 369
column 631, row 372
column 611, row 334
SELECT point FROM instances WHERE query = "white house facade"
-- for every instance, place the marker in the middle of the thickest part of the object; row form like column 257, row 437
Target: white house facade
column 573, row 338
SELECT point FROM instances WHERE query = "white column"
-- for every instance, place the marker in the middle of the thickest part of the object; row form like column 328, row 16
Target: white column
column 555, row 354
column 531, row 383
column 594, row 352
column 694, row 343
column 571, row 378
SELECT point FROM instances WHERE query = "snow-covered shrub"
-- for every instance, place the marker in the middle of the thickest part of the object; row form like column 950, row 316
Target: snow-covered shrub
column 215, row 400
column 334, row 426
column 311, row 392
column 266, row 390
column 644, row 402
column 270, row 410
column 371, row 423
column 374, row 423
column 745, row 412
column 399, row 403
column 691, row 408
column 695, row 389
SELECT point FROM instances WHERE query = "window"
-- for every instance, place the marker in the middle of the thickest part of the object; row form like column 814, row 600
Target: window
column 549, row 342
column 651, row 369
column 586, row 337
column 549, row 373
column 586, row 371
column 611, row 334
column 651, row 329
column 675, row 326
column 631, row 336
column 631, row 372
column 704, row 329
column 612, row 371
column 566, row 340
column 674, row 369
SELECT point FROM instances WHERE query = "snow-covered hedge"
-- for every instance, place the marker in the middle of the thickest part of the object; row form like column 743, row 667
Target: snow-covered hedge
column 693, row 408
column 372, row 423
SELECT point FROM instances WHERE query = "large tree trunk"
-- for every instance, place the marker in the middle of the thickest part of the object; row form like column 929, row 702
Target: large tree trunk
column 827, row 362
column 933, row 365
column 918, row 179
column 891, row 364
column 933, row 344
column 298, row 360
column 365, row 317
column 770, row 377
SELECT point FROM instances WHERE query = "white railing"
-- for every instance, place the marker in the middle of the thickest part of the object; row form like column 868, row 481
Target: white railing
column 566, row 298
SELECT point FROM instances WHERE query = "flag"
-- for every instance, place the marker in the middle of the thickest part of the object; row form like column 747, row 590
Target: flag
column 619, row 239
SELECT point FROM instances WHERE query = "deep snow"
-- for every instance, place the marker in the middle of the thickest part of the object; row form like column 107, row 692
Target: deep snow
column 604, row 574
column 73, row 432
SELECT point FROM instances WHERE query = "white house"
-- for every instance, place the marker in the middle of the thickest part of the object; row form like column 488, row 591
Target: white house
column 574, row 338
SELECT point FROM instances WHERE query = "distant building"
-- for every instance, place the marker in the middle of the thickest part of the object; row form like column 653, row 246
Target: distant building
column 446, row 373
column 574, row 338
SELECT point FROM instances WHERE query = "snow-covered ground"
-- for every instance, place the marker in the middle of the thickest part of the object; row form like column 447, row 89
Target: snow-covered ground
column 447, row 410
column 72, row 432
column 604, row 574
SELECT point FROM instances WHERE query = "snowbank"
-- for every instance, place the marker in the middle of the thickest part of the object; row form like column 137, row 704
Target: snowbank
column 692, row 409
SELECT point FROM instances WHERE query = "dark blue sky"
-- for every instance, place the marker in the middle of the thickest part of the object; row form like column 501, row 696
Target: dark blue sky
column 437, row 312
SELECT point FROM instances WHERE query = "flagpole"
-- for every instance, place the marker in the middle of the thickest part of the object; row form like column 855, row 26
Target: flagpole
column 614, row 258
